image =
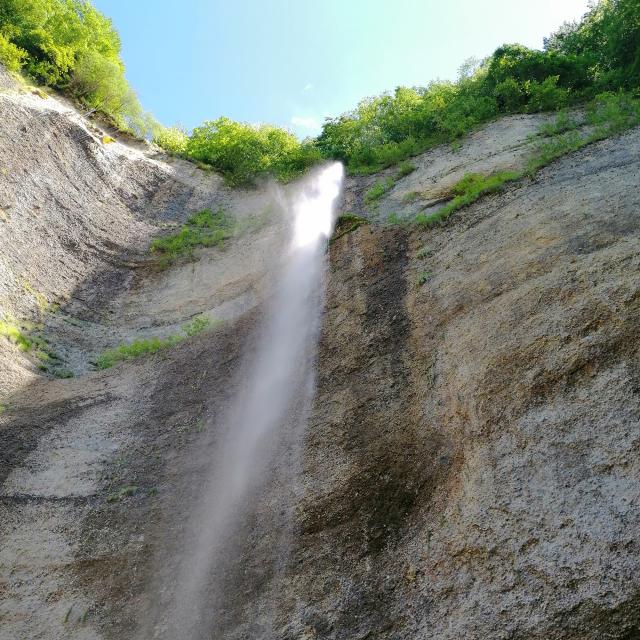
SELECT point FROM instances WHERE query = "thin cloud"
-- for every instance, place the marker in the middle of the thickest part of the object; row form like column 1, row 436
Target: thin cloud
column 305, row 122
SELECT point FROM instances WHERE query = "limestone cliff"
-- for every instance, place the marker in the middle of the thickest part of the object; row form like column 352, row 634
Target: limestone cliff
column 470, row 468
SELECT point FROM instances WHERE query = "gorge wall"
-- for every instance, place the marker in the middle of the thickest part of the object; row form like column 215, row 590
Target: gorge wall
column 470, row 468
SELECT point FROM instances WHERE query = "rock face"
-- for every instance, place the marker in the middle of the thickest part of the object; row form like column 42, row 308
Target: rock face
column 470, row 468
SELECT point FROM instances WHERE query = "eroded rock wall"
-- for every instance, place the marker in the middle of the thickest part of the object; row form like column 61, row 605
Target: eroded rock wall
column 470, row 466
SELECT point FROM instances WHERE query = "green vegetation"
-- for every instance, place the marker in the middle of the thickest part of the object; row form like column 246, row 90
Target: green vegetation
column 608, row 114
column 404, row 169
column 172, row 139
column 412, row 196
column 472, row 187
column 202, row 229
column 15, row 334
column 243, row 152
column 563, row 122
column 69, row 45
column 147, row 346
column 423, row 277
column 378, row 190
column 600, row 53
column 393, row 219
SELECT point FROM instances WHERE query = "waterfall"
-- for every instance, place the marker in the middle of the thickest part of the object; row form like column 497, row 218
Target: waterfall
column 274, row 381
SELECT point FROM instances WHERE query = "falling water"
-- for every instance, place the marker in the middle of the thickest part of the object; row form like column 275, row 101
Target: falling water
column 274, row 383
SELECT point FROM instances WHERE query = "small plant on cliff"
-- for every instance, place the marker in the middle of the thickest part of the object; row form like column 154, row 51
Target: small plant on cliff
column 472, row 187
column 202, row 229
column 148, row 346
column 404, row 169
column 376, row 192
column 14, row 333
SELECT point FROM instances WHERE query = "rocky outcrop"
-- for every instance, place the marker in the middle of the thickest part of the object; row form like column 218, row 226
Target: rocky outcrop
column 470, row 468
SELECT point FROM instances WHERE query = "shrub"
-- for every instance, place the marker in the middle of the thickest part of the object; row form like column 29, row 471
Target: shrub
column 244, row 152
column 510, row 95
column 563, row 122
column 11, row 56
column 546, row 95
column 69, row 45
column 13, row 332
column 579, row 61
column 172, row 139
column 613, row 112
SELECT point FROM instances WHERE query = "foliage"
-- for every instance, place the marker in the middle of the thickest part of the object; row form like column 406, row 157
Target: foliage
column 608, row 114
column 69, row 45
column 378, row 190
column 172, row 139
column 602, row 52
column 202, row 229
column 404, row 169
column 147, row 346
column 14, row 333
column 469, row 189
column 612, row 113
column 411, row 196
column 563, row 122
column 244, row 152
column 607, row 39
column 423, row 277
column 11, row 57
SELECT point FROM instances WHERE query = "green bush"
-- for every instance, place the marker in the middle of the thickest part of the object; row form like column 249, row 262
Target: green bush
column 11, row 56
column 404, row 169
column 13, row 332
column 608, row 114
column 578, row 62
column 613, row 112
column 563, row 122
column 244, row 152
column 69, row 45
column 172, row 139
column 546, row 95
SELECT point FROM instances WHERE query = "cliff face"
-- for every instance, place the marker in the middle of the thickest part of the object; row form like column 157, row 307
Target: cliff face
column 470, row 468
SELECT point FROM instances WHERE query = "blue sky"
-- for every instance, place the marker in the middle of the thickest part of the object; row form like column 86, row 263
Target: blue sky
column 294, row 62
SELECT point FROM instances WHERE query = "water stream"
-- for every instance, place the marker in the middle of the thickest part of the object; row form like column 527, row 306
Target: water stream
column 276, row 379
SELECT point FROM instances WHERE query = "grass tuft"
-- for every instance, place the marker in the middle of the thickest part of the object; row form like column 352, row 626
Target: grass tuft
column 471, row 188
column 202, row 229
column 378, row 190
column 404, row 169
column 13, row 332
column 148, row 346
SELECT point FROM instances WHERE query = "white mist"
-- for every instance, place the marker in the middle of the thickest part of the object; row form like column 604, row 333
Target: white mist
column 275, row 380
